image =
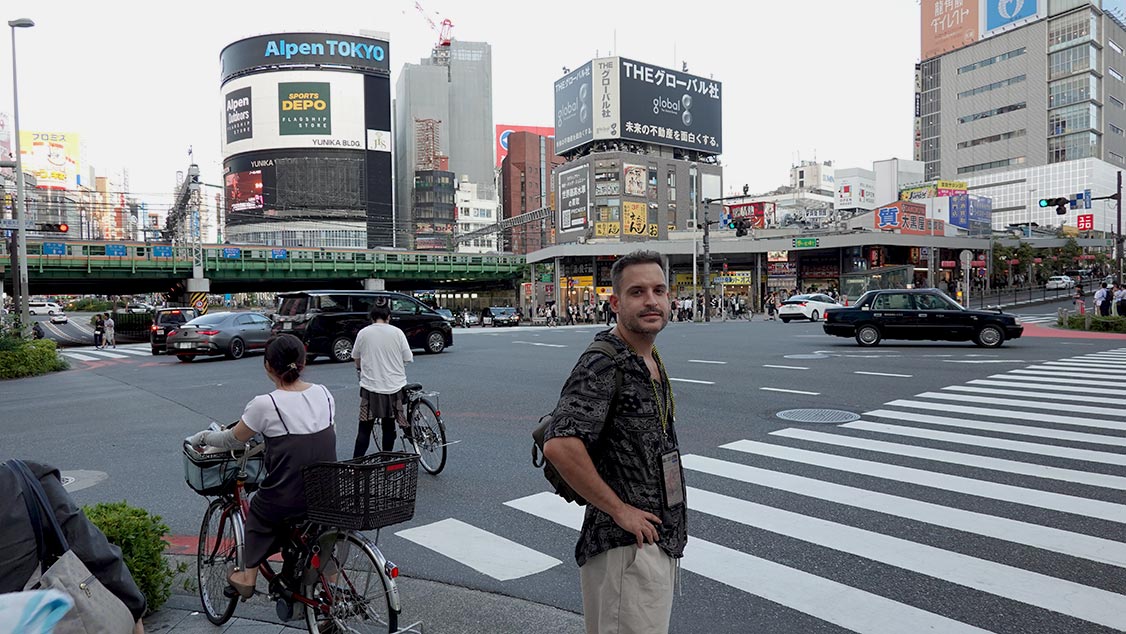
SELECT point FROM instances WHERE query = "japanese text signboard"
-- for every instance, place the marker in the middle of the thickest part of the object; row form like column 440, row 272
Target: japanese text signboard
column 1085, row 222
column 574, row 196
column 948, row 25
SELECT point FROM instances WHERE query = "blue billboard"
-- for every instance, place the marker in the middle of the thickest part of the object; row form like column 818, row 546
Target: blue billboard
column 1002, row 13
column 980, row 216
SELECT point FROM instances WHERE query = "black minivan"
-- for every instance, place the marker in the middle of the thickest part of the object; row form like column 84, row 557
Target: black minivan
column 327, row 321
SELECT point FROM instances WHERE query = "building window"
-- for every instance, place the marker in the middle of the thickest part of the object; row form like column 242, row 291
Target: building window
column 1116, row 101
column 994, row 86
column 1116, row 130
column 1071, row 28
column 992, row 139
column 980, row 167
column 1072, row 90
column 992, row 60
column 1113, row 73
column 992, row 113
column 1117, row 158
column 1073, row 146
column 1081, row 116
column 1114, row 46
column 1072, row 60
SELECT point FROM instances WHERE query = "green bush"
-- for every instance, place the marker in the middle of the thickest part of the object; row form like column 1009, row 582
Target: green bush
column 20, row 358
column 88, row 304
column 1098, row 324
column 140, row 536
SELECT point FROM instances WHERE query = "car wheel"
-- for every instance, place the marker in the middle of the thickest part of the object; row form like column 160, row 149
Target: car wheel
column 186, row 358
column 785, row 320
column 236, row 349
column 341, row 349
column 814, row 316
column 989, row 337
column 868, row 335
column 435, row 342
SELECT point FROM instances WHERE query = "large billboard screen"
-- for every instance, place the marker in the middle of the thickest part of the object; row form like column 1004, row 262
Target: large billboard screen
column 1001, row 15
column 53, row 157
column 296, row 109
column 574, row 196
column 503, row 131
column 947, row 26
column 618, row 98
column 305, row 49
column 666, row 107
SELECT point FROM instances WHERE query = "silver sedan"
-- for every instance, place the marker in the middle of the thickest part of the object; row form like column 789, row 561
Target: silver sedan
column 230, row 334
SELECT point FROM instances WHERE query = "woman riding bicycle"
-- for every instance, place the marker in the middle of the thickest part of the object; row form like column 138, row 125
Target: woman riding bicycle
column 296, row 420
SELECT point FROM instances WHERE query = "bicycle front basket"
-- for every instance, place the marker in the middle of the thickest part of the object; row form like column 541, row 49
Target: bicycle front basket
column 364, row 493
column 215, row 473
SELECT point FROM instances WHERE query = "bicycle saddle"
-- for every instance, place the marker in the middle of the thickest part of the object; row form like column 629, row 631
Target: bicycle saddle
column 412, row 387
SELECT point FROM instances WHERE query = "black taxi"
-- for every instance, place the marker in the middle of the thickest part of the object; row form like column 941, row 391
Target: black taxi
column 919, row 314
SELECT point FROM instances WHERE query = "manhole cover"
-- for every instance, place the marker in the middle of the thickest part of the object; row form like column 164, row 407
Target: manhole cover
column 824, row 416
column 807, row 356
column 67, row 480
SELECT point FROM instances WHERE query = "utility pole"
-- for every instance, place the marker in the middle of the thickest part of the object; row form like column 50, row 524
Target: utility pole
column 707, row 263
column 1118, row 229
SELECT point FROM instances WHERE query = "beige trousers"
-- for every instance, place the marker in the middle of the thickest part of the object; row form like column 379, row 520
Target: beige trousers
column 628, row 590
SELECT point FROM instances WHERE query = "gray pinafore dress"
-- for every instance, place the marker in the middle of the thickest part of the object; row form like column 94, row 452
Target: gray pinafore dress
column 280, row 500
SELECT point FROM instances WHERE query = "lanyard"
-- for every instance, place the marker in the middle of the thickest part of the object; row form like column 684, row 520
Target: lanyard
column 666, row 404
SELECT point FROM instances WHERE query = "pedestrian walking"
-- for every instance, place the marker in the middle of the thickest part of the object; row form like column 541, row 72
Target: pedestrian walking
column 381, row 353
column 1102, row 306
column 635, row 528
column 770, row 306
column 99, row 331
column 109, row 336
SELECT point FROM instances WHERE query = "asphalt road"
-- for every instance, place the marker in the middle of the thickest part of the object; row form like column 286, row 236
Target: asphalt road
column 992, row 506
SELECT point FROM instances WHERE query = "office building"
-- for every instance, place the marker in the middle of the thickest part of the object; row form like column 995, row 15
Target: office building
column 526, row 185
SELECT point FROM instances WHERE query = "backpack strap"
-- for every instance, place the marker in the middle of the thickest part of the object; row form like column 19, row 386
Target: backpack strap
column 608, row 349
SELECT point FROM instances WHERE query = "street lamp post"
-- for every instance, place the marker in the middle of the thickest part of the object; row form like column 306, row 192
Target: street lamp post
column 21, row 211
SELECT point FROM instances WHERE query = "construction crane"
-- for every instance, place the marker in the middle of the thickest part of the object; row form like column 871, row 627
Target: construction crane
column 443, row 31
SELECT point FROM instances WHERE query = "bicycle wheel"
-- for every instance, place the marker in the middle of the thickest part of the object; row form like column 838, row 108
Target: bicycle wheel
column 428, row 435
column 351, row 586
column 216, row 553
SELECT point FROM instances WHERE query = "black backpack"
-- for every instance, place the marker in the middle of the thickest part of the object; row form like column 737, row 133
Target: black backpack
column 562, row 489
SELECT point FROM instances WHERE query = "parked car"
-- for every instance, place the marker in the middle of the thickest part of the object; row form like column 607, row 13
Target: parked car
column 501, row 316
column 59, row 318
column 1059, row 282
column 447, row 314
column 469, row 319
column 230, row 334
column 43, row 308
column 327, row 321
column 812, row 307
column 138, row 308
column 919, row 314
column 164, row 320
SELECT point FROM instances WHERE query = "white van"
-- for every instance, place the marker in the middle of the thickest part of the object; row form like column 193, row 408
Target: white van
column 43, row 308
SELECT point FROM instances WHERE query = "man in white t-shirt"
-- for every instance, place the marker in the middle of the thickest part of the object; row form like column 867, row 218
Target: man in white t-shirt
column 381, row 353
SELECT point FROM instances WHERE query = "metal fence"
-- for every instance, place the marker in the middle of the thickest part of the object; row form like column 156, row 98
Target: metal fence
column 1015, row 296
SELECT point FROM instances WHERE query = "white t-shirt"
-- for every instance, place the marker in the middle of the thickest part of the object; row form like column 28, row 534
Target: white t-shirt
column 305, row 412
column 383, row 352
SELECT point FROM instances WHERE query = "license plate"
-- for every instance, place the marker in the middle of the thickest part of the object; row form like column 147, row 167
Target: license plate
column 287, row 325
column 160, row 331
column 184, row 345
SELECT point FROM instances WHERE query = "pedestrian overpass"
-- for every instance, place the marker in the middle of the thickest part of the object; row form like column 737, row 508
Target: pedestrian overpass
column 120, row 268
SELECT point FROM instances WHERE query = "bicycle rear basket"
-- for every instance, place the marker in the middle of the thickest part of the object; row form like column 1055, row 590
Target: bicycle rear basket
column 365, row 493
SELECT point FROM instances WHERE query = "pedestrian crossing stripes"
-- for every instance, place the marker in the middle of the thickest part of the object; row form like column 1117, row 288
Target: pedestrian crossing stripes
column 96, row 355
column 1032, row 460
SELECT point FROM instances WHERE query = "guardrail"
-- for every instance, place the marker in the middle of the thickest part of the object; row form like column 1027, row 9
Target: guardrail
column 1016, row 296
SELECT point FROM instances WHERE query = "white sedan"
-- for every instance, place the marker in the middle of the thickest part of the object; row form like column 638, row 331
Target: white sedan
column 59, row 318
column 1059, row 281
column 811, row 306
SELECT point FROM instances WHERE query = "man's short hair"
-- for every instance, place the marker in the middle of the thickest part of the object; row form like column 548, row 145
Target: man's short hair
column 641, row 256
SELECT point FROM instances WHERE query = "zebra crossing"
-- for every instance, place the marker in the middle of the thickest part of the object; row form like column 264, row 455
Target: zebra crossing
column 120, row 352
column 1030, row 461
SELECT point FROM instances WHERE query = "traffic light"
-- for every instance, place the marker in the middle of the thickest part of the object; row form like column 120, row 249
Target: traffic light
column 731, row 222
column 1061, row 204
column 741, row 226
column 53, row 227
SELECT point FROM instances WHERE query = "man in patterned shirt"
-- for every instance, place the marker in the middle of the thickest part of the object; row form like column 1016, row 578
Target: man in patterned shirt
column 620, row 453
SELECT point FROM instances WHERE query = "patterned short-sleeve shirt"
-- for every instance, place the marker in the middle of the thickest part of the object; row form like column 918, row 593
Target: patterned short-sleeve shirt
column 628, row 458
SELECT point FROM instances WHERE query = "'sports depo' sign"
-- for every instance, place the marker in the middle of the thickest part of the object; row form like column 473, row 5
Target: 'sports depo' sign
column 304, row 108
column 304, row 101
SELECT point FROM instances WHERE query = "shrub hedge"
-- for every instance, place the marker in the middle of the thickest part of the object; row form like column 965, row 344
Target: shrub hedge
column 1098, row 323
column 19, row 358
column 140, row 536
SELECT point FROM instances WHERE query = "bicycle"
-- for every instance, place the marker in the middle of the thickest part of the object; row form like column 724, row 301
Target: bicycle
column 425, row 433
column 336, row 575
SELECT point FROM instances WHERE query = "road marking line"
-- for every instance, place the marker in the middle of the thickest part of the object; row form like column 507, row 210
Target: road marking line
column 1075, row 544
column 703, row 361
column 1054, row 378
column 778, row 389
column 108, row 355
column 485, row 552
column 980, row 361
column 537, row 343
column 1097, row 367
column 135, row 351
column 904, row 376
column 1049, row 386
column 941, row 481
column 958, row 458
column 1033, row 588
column 988, row 400
column 785, row 367
column 1057, row 397
column 79, row 357
column 692, row 381
column 1003, row 428
column 1078, row 375
column 986, row 411
column 1021, row 446
column 1099, row 360
column 851, row 608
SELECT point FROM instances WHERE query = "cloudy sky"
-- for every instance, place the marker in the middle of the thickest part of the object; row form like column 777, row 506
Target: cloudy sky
column 139, row 81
